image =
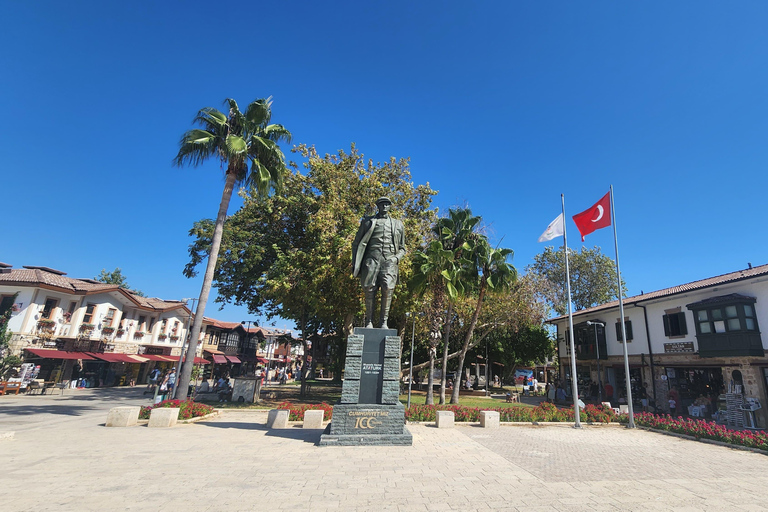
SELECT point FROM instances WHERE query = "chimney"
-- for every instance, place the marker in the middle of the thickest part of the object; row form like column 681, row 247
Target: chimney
column 5, row 268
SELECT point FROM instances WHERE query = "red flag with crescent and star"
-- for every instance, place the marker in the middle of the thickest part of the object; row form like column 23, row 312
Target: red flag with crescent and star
column 595, row 217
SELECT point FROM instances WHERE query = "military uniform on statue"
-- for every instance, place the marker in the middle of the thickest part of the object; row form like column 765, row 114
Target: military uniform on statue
column 376, row 253
column 369, row 411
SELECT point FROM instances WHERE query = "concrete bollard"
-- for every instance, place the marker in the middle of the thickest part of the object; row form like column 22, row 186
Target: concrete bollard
column 278, row 418
column 489, row 419
column 444, row 419
column 313, row 419
column 164, row 417
column 123, row 417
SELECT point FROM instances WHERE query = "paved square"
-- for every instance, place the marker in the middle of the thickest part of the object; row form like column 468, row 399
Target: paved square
column 63, row 458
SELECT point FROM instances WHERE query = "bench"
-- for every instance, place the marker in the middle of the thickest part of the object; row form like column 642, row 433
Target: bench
column 9, row 387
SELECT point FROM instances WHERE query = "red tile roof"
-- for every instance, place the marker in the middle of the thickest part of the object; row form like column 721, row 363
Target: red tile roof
column 731, row 277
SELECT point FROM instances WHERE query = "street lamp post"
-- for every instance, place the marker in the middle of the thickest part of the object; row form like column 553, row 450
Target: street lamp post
column 597, row 348
column 410, row 366
column 248, row 335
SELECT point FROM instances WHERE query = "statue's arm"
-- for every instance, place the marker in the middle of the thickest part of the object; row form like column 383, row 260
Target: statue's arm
column 401, row 244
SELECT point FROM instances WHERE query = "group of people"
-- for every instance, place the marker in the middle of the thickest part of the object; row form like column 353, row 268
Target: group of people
column 164, row 381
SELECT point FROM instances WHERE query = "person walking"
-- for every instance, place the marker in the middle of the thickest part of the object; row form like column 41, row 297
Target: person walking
column 154, row 375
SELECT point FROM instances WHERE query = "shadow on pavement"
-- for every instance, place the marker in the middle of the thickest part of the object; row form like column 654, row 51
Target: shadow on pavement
column 295, row 432
column 63, row 409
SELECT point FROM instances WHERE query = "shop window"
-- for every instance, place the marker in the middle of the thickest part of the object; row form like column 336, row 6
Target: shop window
column 89, row 310
column 674, row 325
column 627, row 327
column 48, row 308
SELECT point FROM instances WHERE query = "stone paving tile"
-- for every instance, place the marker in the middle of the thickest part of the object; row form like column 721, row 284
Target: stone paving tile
column 234, row 463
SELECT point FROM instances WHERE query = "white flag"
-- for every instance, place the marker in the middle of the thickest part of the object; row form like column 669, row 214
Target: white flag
column 554, row 229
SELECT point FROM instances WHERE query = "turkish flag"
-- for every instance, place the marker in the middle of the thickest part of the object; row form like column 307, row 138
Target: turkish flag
column 593, row 218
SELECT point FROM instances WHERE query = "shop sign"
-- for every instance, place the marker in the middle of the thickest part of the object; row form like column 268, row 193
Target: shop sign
column 681, row 347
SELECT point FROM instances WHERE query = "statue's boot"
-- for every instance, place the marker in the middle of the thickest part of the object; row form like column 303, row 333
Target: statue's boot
column 386, row 301
column 370, row 298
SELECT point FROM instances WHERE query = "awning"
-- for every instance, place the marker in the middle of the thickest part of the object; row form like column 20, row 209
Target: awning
column 234, row 359
column 156, row 357
column 213, row 351
column 262, row 360
column 58, row 354
column 112, row 357
column 200, row 360
column 219, row 359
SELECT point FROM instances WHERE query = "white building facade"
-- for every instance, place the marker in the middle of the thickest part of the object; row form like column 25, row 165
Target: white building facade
column 695, row 342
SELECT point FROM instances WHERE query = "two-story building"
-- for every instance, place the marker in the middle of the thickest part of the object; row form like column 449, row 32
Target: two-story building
column 697, row 342
column 88, row 331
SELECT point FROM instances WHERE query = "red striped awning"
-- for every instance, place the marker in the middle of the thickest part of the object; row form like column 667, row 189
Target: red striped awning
column 112, row 357
column 58, row 354
column 262, row 360
column 234, row 359
column 219, row 359
column 157, row 357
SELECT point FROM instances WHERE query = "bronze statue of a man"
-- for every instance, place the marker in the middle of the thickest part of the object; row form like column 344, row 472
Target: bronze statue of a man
column 376, row 253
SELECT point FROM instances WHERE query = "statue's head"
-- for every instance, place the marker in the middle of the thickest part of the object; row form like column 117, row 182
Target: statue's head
column 383, row 204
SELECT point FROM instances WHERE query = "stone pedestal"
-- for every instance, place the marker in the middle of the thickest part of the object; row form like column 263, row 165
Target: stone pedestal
column 313, row 419
column 444, row 419
column 123, row 417
column 489, row 419
column 278, row 418
column 370, row 412
column 164, row 417
column 246, row 387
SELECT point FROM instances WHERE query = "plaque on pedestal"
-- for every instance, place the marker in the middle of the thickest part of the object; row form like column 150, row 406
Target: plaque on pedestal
column 370, row 412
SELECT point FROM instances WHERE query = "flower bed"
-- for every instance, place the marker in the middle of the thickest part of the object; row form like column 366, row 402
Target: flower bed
column 189, row 409
column 543, row 412
column 297, row 411
column 703, row 429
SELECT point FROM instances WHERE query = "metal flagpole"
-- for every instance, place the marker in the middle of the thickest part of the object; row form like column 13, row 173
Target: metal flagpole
column 574, row 384
column 627, row 382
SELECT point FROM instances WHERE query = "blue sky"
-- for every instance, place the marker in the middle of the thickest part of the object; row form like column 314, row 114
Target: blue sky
column 500, row 105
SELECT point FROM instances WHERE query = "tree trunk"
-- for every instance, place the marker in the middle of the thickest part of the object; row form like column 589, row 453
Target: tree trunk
column 430, row 379
column 213, row 257
column 303, row 372
column 446, row 342
column 468, row 337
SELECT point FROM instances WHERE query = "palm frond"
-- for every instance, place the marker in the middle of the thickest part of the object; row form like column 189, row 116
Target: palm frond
column 259, row 112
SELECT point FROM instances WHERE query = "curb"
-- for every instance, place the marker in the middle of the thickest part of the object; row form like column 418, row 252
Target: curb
column 703, row 440
column 525, row 423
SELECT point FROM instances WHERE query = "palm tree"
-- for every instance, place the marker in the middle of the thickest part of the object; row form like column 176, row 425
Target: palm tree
column 440, row 268
column 433, row 271
column 454, row 232
column 491, row 273
column 248, row 144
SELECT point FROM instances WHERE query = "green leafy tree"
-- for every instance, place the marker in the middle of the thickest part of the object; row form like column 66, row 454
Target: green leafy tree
column 593, row 278
column 117, row 277
column 246, row 144
column 7, row 360
column 290, row 255
column 526, row 346
column 440, row 268
column 489, row 272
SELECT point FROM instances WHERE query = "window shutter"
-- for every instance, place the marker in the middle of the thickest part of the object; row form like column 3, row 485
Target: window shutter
column 683, row 327
column 666, row 325
column 618, row 331
column 629, row 330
